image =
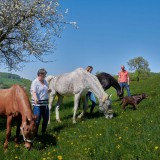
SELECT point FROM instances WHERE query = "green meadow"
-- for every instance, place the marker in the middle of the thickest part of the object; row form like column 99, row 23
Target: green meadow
column 130, row 135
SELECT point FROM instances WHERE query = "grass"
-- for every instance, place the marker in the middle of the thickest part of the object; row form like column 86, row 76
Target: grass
column 130, row 135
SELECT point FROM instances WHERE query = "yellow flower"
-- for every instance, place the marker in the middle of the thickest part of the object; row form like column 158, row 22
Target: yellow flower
column 119, row 138
column 60, row 158
column 156, row 147
column 118, row 146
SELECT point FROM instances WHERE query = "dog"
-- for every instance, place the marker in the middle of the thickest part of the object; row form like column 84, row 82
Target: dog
column 133, row 100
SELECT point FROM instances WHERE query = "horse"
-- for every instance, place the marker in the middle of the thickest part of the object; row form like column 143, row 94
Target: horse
column 77, row 83
column 107, row 81
column 15, row 105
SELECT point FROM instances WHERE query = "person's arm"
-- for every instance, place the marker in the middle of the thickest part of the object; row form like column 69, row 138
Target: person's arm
column 128, row 79
column 35, row 97
column 33, row 92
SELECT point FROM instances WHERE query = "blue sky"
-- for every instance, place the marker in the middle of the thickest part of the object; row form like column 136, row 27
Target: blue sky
column 111, row 32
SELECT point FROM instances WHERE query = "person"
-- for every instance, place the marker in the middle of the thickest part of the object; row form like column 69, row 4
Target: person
column 90, row 95
column 123, row 79
column 39, row 92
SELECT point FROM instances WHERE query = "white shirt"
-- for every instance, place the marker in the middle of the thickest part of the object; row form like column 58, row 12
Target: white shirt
column 40, row 89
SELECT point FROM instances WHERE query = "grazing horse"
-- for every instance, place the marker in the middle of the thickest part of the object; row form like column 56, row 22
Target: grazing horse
column 107, row 81
column 14, row 104
column 78, row 83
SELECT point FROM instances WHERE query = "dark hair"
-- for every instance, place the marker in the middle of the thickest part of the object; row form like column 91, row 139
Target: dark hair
column 41, row 71
column 89, row 67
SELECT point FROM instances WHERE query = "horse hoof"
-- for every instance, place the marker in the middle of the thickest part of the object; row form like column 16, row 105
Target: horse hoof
column 74, row 122
column 59, row 121
column 79, row 117
column 5, row 150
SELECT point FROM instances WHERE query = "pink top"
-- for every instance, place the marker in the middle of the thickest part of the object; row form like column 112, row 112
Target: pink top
column 123, row 76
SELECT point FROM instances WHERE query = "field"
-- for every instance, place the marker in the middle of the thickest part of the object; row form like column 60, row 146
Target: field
column 130, row 135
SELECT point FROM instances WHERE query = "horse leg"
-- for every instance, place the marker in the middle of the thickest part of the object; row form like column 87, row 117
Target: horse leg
column 84, row 108
column 76, row 102
column 8, row 131
column 17, row 131
column 51, row 99
column 59, row 102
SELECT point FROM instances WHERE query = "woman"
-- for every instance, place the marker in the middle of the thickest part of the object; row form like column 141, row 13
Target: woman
column 39, row 92
column 90, row 95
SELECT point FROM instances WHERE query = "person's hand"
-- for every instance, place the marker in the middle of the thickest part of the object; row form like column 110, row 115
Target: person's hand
column 49, row 90
column 36, row 101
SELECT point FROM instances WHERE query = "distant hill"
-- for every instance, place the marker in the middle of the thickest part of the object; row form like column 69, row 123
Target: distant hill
column 8, row 79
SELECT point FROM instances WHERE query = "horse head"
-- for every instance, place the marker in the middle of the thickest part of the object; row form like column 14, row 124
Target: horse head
column 28, row 129
column 120, row 94
column 106, row 108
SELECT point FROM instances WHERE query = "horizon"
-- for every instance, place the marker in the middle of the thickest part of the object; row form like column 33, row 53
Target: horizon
column 110, row 34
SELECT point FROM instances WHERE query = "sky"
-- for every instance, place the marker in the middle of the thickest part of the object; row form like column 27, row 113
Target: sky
column 110, row 33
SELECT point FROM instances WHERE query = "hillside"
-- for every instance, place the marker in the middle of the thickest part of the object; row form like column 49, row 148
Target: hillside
column 8, row 79
column 130, row 135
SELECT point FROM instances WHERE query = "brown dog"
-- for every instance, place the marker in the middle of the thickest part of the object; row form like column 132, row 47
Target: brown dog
column 133, row 100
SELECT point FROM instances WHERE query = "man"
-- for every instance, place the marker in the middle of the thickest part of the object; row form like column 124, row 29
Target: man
column 123, row 79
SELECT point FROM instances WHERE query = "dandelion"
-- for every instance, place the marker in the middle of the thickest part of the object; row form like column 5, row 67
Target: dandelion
column 60, row 158
column 118, row 146
column 156, row 147
column 120, row 138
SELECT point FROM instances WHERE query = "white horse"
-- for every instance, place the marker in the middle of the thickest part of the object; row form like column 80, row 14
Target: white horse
column 78, row 83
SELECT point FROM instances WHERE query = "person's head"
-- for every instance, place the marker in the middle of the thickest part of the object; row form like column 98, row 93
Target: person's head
column 89, row 69
column 122, row 67
column 41, row 73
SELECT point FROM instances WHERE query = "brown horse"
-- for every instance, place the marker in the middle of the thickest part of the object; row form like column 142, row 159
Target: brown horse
column 15, row 104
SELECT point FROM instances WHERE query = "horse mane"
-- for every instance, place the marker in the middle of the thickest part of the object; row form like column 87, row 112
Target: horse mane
column 49, row 78
column 19, row 90
column 94, row 78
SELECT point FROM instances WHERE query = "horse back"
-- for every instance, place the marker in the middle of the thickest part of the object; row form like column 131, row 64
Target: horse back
column 7, row 101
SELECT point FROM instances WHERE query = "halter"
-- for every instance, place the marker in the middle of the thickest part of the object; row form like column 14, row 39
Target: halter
column 24, row 138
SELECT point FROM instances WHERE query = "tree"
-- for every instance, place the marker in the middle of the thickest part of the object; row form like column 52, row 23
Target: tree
column 139, row 65
column 28, row 28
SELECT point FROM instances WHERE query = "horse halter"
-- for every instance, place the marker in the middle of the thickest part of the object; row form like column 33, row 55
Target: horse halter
column 24, row 138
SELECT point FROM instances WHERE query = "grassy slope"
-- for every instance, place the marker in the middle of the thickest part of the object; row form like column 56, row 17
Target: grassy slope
column 130, row 135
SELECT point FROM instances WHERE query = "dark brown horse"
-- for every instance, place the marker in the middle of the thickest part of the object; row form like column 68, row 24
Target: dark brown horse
column 108, row 81
column 14, row 104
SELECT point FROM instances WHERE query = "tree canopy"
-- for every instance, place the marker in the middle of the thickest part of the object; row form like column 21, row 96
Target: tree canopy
column 139, row 65
column 28, row 28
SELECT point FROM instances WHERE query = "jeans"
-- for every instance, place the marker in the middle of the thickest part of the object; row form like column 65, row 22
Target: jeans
column 125, row 84
column 41, row 111
column 92, row 98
